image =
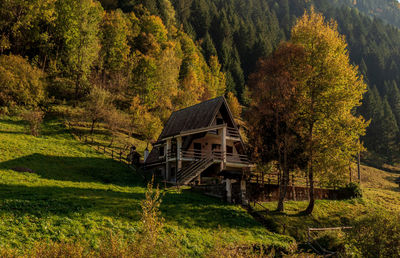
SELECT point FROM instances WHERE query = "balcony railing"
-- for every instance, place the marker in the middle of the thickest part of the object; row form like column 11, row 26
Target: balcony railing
column 232, row 132
column 193, row 154
column 198, row 154
column 237, row 158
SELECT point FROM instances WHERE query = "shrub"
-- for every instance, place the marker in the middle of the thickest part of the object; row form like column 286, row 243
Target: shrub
column 34, row 119
column 20, row 83
column 377, row 235
column 352, row 190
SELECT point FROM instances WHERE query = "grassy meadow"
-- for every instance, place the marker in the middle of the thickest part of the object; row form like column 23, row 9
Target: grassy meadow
column 381, row 195
column 67, row 191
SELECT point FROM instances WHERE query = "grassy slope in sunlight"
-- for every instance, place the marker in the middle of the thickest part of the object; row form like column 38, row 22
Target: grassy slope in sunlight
column 75, row 193
column 380, row 194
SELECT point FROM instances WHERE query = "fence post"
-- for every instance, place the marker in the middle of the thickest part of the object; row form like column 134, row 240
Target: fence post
column 120, row 155
column 262, row 179
column 104, row 149
column 112, row 154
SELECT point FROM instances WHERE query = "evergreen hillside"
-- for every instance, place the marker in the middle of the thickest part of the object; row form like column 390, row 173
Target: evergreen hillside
column 156, row 56
column 240, row 32
column 387, row 10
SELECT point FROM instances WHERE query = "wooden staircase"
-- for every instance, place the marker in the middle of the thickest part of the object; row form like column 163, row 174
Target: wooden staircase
column 193, row 170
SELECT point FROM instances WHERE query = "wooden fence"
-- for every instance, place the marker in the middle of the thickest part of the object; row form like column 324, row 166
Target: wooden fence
column 275, row 178
column 116, row 154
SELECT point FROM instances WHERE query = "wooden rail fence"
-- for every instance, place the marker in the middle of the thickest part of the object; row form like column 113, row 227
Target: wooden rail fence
column 116, row 154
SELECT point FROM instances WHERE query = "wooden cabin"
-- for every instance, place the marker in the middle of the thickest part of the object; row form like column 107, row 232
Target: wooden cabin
column 200, row 144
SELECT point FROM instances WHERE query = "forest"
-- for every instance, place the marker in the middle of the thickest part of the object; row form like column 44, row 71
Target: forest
column 116, row 54
column 240, row 33
column 312, row 84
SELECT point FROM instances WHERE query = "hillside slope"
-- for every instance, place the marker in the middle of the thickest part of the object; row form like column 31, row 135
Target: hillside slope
column 380, row 196
column 73, row 193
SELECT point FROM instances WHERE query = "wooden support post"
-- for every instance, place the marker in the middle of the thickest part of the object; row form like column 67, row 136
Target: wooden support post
column 243, row 191
column 167, row 165
column 228, row 190
column 120, row 156
column 179, row 153
column 224, row 145
column 112, row 154
column 104, row 149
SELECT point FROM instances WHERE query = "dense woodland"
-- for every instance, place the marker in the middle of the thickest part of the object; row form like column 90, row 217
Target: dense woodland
column 239, row 33
column 149, row 58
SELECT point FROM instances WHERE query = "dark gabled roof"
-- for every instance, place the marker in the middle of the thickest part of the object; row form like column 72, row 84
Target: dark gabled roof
column 193, row 117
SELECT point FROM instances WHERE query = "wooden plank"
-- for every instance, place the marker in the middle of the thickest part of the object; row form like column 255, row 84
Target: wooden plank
column 325, row 229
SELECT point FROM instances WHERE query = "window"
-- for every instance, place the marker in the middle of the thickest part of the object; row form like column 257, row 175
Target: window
column 216, row 147
column 197, row 146
column 197, row 149
column 220, row 121
column 229, row 149
column 161, row 151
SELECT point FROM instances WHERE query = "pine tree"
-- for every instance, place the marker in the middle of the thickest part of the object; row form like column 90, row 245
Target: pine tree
column 393, row 96
column 389, row 133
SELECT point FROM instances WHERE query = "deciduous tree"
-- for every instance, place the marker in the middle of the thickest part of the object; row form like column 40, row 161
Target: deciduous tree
column 20, row 83
column 276, row 127
column 334, row 89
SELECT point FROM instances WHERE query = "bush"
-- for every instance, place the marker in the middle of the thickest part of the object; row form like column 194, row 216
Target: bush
column 377, row 235
column 352, row 190
column 34, row 119
column 20, row 83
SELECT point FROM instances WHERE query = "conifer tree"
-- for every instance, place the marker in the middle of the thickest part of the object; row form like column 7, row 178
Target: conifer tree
column 389, row 133
column 394, row 100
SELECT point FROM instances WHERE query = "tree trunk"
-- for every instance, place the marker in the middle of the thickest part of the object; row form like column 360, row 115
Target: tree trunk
column 92, row 127
column 281, row 193
column 310, row 207
column 285, row 179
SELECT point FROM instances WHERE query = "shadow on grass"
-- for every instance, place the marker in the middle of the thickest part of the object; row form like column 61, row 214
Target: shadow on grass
column 12, row 122
column 194, row 210
column 188, row 210
column 43, row 201
column 48, row 128
column 76, row 169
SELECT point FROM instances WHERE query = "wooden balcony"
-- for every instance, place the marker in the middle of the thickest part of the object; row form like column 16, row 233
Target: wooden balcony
column 232, row 132
column 237, row 158
column 193, row 154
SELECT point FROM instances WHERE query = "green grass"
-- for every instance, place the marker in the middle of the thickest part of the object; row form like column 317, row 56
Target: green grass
column 76, row 193
column 380, row 194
